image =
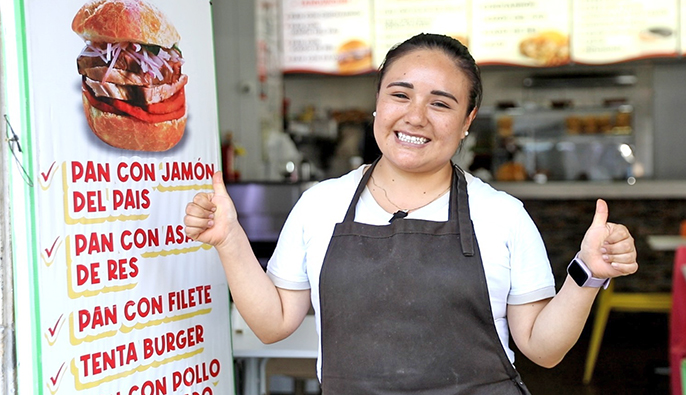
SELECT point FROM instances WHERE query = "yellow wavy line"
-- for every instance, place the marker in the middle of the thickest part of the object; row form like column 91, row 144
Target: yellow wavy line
column 88, row 221
column 75, row 341
column 166, row 320
column 127, row 329
column 176, row 251
column 197, row 187
column 83, row 386
column 70, row 286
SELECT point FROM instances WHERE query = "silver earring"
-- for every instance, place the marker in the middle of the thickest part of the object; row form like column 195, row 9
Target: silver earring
column 466, row 133
column 374, row 114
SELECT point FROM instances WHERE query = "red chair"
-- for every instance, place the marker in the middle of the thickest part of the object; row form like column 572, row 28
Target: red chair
column 677, row 327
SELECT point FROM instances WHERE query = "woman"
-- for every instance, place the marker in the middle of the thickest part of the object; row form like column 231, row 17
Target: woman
column 418, row 273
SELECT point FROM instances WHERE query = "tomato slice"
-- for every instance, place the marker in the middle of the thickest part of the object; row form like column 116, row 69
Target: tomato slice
column 140, row 113
column 167, row 110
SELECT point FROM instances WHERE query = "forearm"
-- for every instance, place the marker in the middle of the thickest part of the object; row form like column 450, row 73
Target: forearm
column 253, row 293
column 558, row 325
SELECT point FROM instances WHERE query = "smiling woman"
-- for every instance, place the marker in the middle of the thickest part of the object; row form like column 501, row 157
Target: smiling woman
column 395, row 256
column 421, row 119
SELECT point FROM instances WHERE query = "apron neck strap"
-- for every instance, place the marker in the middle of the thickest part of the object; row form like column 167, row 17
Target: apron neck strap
column 459, row 205
column 350, row 214
column 461, row 201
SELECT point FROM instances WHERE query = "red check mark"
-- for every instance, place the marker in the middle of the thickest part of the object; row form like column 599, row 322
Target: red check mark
column 54, row 380
column 48, row 254
column 51, row 335
column 46, row 178
column 49, row 251
column 47, row 175
column 54, row 328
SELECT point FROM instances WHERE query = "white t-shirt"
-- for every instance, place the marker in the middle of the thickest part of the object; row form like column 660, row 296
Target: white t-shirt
column 514, row 257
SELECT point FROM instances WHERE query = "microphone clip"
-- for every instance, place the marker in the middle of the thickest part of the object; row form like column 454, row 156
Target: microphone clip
column 398, row 215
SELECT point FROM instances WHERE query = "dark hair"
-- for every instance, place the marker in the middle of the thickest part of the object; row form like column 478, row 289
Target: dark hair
column 451, row 47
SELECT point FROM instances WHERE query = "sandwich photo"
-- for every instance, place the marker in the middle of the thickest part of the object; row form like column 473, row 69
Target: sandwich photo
column 549, row 48
column 132, row 85
column 353, row 57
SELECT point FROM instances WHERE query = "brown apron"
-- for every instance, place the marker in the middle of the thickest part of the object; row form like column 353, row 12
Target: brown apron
column 405, row 308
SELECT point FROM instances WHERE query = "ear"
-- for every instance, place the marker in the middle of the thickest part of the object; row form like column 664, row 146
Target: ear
column 470, row 118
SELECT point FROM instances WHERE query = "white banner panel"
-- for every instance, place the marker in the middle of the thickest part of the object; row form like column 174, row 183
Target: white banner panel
column 126, row 303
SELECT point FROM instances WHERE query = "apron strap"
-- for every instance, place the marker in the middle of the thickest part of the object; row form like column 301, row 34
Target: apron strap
column 461, row 201
column 350, row 214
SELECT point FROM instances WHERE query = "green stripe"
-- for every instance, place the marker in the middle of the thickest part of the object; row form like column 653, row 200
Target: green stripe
column 30, row 214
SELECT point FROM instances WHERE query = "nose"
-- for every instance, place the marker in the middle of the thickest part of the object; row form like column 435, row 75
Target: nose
column 416, row 114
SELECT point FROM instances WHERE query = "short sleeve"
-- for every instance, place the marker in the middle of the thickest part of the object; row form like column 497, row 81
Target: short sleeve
column 286, row 267
column 531, row 274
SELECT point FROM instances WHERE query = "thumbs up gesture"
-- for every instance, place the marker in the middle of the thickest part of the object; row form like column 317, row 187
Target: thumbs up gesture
column 211, row 217
column 607, row 248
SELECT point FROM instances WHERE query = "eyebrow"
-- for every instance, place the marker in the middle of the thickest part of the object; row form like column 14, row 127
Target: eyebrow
column 433, row 92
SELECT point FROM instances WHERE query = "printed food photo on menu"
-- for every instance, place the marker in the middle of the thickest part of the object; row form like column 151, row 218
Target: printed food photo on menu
column 548, row 48
column 133, row 88
column 354, row 57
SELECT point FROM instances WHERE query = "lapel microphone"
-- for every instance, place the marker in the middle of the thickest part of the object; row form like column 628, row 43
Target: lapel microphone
column 398, row 215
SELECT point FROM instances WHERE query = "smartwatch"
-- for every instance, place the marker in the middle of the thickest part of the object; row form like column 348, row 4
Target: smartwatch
column 582, row 275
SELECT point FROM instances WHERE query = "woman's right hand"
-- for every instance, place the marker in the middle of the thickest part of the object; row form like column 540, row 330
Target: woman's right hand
column 211, row 217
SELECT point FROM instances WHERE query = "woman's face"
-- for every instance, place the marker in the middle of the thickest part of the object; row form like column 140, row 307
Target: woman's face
column 421, row 111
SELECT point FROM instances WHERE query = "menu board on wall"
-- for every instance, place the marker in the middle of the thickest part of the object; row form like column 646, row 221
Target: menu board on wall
column 608, row 31
column 327, row 36
column 397, row 20
column 525, row 33
column 124, row 137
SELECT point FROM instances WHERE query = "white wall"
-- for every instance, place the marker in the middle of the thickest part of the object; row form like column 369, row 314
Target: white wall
column 235, row 60
column 670, row 121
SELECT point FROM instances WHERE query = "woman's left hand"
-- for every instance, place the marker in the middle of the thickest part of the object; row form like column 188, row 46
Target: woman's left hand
column 607, row 248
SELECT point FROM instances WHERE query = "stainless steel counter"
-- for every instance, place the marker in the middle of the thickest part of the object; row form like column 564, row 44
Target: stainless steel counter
column 642, row 189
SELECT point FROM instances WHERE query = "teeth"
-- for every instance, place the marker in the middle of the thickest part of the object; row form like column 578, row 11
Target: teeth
column 411, row 139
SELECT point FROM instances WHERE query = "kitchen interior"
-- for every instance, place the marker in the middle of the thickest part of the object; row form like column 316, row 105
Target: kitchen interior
column 556, row 137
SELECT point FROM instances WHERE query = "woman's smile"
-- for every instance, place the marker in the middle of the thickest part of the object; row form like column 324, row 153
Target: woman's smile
column 415, row 140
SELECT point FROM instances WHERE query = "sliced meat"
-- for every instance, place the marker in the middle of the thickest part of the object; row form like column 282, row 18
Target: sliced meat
column 125, row 77
column 126, row 62
column 136, row 94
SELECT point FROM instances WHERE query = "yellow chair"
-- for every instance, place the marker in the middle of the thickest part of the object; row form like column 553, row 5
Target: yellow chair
column 654, row 302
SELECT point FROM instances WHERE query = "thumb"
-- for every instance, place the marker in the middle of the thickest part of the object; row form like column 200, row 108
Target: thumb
column 601, row 213
column 218, row 184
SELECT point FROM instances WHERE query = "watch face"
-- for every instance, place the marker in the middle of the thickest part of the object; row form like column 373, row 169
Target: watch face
column 577, row 273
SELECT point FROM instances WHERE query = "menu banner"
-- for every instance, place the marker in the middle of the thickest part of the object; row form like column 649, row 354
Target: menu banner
column 608, row 31
column 397, row 20
column 327, row 36
column 126, row 133
column 524, row 33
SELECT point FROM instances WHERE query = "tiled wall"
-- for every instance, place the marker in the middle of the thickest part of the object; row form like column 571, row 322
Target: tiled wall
column 562, row 224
